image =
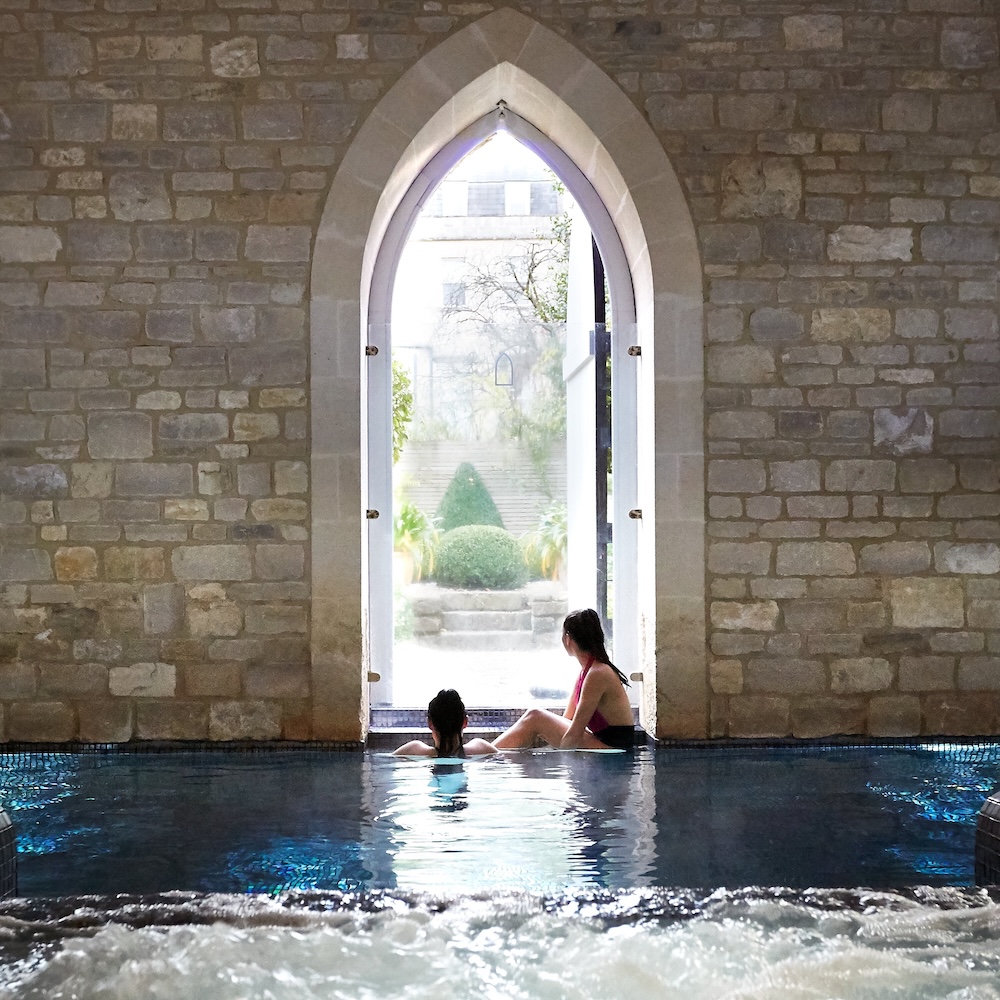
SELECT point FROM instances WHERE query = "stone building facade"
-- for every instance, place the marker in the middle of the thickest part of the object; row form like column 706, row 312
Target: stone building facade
column 190, row 196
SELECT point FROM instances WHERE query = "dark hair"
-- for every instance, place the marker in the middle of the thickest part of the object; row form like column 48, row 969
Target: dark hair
column 584, row 628
column 447, row 713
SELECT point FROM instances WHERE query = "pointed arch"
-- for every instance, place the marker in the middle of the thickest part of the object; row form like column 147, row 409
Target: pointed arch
column 507, row 56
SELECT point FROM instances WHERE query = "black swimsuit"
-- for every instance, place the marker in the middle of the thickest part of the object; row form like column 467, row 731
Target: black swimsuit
column 618, row 737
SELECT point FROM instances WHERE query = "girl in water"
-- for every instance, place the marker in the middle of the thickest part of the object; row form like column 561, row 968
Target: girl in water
column 446, row 718
column 598, row 715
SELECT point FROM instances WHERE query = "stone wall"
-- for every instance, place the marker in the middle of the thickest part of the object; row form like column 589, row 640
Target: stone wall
column 164, row 169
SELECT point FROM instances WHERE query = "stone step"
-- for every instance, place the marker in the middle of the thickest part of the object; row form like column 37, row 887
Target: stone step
column 486, row 621
column 428, row 599
column 491, row 640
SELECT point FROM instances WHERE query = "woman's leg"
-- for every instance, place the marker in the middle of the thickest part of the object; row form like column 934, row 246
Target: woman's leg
column 536, row 722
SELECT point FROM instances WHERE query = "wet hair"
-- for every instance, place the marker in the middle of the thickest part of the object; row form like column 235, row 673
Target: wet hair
column 584, row 628
column 446, row 712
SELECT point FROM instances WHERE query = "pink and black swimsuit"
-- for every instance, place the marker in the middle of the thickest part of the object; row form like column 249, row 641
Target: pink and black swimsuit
column 618, row 737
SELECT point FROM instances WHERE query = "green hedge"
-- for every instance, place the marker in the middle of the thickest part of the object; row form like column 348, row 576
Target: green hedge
column 467, row 501
column 479, row 557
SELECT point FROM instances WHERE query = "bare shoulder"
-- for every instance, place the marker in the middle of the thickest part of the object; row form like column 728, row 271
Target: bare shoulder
column 415, row 748
column 477, row 746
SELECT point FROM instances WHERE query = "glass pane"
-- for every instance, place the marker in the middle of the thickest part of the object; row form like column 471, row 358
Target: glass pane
column 479, row 482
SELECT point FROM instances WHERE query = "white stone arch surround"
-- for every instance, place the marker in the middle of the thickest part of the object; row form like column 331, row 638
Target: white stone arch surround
column 507, row 56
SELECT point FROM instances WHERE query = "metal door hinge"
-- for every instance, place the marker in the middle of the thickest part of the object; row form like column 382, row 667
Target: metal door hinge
column 372, row 515
column 370, row 350
column 635, row 351
column 635, row 514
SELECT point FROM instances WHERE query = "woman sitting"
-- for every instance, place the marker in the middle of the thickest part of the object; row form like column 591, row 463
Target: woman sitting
column 598, row 715
column 446, row 719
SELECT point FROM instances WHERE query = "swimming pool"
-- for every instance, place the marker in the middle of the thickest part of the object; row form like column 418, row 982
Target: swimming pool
column 542, row 821
column 370, row 876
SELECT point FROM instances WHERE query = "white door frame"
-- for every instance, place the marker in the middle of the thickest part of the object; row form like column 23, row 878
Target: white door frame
column 377, row 413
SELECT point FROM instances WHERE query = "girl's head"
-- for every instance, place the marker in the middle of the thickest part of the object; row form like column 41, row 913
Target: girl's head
column 584, row 628
column 446, row 715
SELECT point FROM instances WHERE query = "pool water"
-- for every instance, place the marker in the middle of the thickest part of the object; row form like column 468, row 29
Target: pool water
column 541, row 821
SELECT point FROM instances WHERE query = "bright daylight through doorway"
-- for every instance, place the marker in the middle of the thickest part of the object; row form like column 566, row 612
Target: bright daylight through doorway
column 498, row 260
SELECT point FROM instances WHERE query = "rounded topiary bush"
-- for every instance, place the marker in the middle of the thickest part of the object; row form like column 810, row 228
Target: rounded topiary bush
column 467, row 500
column 479, row 557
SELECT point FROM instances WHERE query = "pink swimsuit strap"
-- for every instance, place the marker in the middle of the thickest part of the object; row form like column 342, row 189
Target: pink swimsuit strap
column 597, row 721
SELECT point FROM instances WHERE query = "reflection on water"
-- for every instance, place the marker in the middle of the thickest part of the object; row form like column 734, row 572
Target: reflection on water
column 642, row 946
column 221, row 821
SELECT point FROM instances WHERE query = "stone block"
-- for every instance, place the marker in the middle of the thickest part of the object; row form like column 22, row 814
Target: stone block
column 116, row 326
column 76, row 563
column 215, row 243
column 41, row 722
column 784, row 676
column 66, row 54
column 726, row 676
column 755, row 616
column 279, row 510
column 235, row 58
column 862, row 244
column 154, row 479
column 960, row 713
column 164, row 244
column 926, row 475
column 291, row 477
column 757, row 111
column 217, row 619
column 904, row 430
column 119, row 435
column 22, row 368
column 72, row 680
column 969, row 43
column 89, row 242
column 24, row 565
column 279, row 562
column 105, row 722
column 970, row 423
column 795, row 477
column 979, row 673
column 275, row 619
column 813, row 31
column 959, row 244
column 895, row 558
column 861, row 475
column 814, row 718
column 80, row 122
column 757, row 717
column 841, row 111
column 211, row 562
column 735, row 424
column 255, row 426
column 972, row 558
column 273, row 120
column 774, row 326
column 174, row 48
column 17, row 679
column 134, row 563
column 860, row 674
column 33, row 482
column 837, row 325
column 268, row 366
column 736, row 475
column 926, row 673
column 139, row 196
column 727, row 243
column 894, row 715
column 241, row 720
column 276, row 680
column 740, row 363
column 143, row 680
column 191, row 122
column 907, row 112
column 162, row 608
column 171, row 720
column 194, row 428
column 963, row 323
column 278, row 243
column 761, row 188
column 815, row 559
column 175, row 326
column 135, row 123
column 976, row 113
column 683, row 114
column 28, row 244
column 739, row 558
column 927, row 603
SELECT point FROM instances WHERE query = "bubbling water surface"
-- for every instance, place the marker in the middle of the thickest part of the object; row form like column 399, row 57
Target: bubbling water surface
column 727, row 945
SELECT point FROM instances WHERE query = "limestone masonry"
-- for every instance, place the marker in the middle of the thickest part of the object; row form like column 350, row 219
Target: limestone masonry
column 164, row 168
